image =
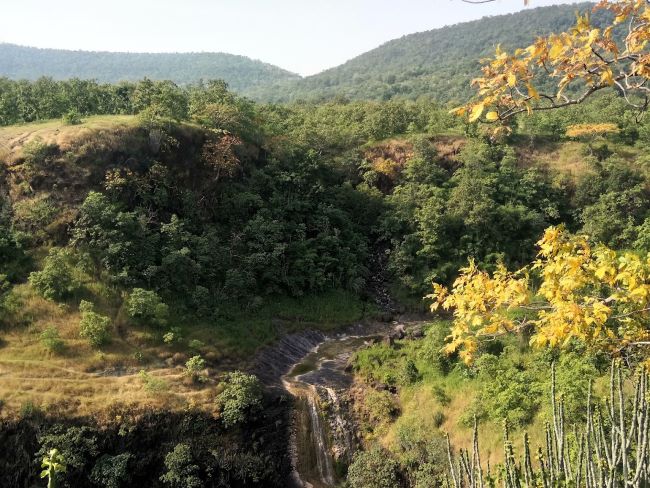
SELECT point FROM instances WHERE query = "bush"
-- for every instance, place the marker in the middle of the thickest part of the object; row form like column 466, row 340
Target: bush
column 181, row 470
column 374, row 469
column 29, row 409
column 194, row 368
column 52, row 341
column 241, row 396
column 152, row 384
column 173, row 335
column 145, row 307
column 441, row 395
column 380, row 406
column 196, row 345
column 410, row 373
column 78, row 445
column 56, row 280
column 508, row 390
column 112, row 471
column 72, row 117
column 93, row 326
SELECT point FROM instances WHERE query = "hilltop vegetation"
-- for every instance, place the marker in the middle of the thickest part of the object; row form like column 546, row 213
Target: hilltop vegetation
column 242, row 73
column 439, row 63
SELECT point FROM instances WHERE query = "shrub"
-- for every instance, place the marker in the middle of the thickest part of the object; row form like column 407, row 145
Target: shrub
column 181, row 470
column 56, row 280
column 196, row 345
column 438, row 418
column 410, row 373
column 428, row 475
column 380, row 406
column 52, row 341
column 93, row 326
column 79, row 446
column 508, row 390
column 145, row 307
column 29, row 409
column 194, row 368
column 241, row 396
column 112, row 471
column 441, row 395
column 373, row 469
column 34, row 215
column 152, row 384
column 174, row 335
column 72, row 117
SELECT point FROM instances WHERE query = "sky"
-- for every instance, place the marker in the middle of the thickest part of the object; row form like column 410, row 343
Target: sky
column 302, row 36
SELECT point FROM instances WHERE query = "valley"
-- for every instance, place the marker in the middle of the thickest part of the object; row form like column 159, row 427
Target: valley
column 215, row 273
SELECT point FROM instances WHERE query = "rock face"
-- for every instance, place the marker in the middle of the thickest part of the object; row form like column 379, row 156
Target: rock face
column 273, row 362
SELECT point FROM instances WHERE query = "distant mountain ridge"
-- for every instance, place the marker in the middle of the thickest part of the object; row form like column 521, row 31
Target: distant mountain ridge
column 241, row 73
column 439, row 63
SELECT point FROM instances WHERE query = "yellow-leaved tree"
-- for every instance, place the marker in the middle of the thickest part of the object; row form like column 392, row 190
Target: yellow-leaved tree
column 592, row 294
column 586, row 59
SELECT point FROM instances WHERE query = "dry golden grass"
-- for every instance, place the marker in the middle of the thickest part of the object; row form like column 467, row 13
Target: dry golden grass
column 14, row 137
column 565, row 157
column 81, row 380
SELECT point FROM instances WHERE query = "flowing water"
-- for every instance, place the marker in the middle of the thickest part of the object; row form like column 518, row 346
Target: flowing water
column 323, row 433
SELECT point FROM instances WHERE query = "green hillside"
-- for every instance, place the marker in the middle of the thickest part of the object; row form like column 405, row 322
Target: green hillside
column 240, row 72
column 439, row 63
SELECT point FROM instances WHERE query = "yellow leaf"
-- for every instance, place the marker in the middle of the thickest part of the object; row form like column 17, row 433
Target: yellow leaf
column 477, row 111
column 532, row 91
column 607, row 77
column 492, row 116
column 458, row 111
column 512, row 79
column 556, row 49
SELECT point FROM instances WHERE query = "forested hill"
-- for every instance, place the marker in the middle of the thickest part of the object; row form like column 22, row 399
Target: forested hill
column 240, row 72
column 438, row 63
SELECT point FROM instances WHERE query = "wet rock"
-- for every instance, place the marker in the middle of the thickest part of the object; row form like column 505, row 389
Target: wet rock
column 416, row 333
column 399, row 332
column 277, row 360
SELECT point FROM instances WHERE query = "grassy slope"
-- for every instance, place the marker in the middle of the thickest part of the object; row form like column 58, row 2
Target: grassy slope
column 421, row 407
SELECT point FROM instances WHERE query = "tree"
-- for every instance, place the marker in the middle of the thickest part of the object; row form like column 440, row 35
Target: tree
column 112, row 471
column 241, row 395
column 146, row 308
column 56, row 281
column 181, row 470
column 587, row 293
column 373, row 469
column 583, row 60
column 93, row 326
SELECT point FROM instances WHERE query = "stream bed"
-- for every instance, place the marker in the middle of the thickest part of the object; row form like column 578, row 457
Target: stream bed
column 323, row 433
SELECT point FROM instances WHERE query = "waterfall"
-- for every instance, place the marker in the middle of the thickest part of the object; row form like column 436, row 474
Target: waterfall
column 322, row 431
column 320, row 440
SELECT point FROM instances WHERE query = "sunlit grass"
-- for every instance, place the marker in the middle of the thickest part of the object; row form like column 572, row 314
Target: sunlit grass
column 83, row 380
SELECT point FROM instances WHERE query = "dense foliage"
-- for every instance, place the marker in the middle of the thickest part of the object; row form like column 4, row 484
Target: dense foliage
column 439, row 63
column 242, row 73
